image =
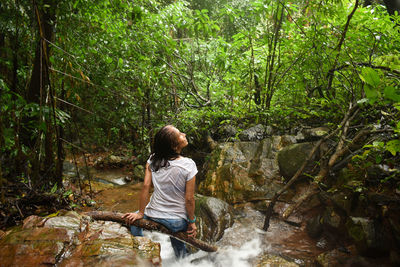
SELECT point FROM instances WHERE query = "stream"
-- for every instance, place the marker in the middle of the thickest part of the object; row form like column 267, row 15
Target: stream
column 244, row 244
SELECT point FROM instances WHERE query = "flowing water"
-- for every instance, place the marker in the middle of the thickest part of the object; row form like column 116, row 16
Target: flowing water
column 244, row 244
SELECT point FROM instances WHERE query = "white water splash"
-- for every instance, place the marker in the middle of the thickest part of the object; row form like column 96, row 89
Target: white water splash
column 227, row 256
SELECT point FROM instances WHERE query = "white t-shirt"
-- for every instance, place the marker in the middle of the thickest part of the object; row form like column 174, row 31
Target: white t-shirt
column 168, row 198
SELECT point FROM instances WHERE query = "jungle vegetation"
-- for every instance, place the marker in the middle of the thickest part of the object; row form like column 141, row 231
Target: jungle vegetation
column 85, row 74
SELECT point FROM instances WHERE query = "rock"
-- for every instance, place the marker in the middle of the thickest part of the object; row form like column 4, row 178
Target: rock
column 71, row 239
column 343, row 200
column 269, row 130
column 273, row 261
column 375, row 173
column 394, row 220
column 214, row 216
column 226, row 131
column 292, row 157
column 32, row 247
column 307, row 135
column 69, row 169
column 127, row 179
column 252, row 134
column 314, row 227
column 243, row 171
column 331, row 218
column 112, row 161
column 341, row 257
column 368, row 235
column 138, row 172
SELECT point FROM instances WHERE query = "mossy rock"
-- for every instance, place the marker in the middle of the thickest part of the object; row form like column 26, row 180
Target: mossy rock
column 292, row 157
column 214, row 216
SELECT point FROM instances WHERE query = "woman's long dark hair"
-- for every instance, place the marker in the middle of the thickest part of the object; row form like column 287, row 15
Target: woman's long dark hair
column 164, row 148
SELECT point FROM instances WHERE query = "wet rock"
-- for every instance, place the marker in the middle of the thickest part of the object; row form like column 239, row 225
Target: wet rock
column 71, row 239
column 147, row 249
column 314, row 227
column 252, row 134
column 112, row 161
column 292, row 157
column 214, row 216
column 331, row 218
column 33, row 221
column 342, row 257
column 368, row 235
column 274, row 261
column 32, row 247
column 243, row 171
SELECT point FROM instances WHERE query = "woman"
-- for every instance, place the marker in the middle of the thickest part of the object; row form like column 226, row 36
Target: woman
column 173, row 177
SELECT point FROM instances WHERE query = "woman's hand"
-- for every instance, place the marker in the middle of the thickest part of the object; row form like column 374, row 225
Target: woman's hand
column 131, row 217
column 192, row 230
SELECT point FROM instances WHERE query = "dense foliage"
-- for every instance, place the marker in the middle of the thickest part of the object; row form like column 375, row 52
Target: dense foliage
column 106, row 73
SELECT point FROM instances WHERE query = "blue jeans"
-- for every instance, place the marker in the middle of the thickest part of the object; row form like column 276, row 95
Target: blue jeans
column 174, row 225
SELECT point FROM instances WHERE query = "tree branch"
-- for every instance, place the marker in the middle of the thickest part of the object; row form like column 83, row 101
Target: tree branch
column 311, row 190
column 152, row 226
column 339, row 46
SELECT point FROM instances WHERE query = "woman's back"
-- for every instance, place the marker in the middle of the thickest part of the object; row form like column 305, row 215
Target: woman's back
column 168, row 198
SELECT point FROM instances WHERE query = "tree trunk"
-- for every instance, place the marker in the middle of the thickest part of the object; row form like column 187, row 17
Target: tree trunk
column 152, row 226
column 38, row 88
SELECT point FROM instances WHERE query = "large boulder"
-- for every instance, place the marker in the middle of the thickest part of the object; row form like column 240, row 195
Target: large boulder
column 244, row 171
column 71, row 239
column 214, row 216
column 292, row 157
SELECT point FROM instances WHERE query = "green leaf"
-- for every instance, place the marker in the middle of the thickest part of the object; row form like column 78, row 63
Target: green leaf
column 371, row 93
column 53, row 189
column 120, row 61
column 42, row 126
column 53, row 215
column 393, row 146
column 108, row 60
column 392, row 93
column 67, row 193
column 370, row 76
column 76, row 3
column 378, row 144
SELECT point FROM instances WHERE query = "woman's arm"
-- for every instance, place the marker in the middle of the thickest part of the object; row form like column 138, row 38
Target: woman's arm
column 144, row 198
column 190, row 205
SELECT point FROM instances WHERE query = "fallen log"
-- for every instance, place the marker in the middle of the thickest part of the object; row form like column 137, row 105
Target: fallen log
column 152, row 226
